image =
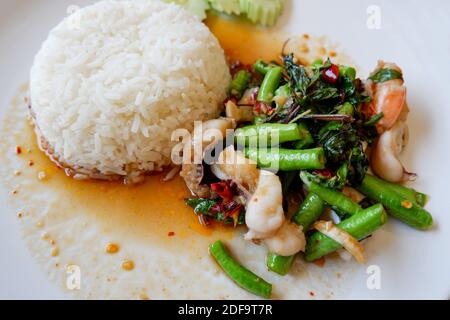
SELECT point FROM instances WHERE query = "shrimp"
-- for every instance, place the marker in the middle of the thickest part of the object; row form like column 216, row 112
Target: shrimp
column 388, row 97
column 288, row 241
column 265, row 215
column 385, row 156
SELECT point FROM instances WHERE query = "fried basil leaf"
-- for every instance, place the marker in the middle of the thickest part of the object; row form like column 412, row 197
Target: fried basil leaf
column 386, row 74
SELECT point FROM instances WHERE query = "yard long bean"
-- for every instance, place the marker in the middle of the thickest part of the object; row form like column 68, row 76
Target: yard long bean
column 270, row 84
column 240, row 83
column 239, row 274
column 309, row 211
column 360, row 225
column 268, row 133
column 287, row 160
column 409, row 193
column 336, row 199
column 279, row 264
column 261, row 67
column 398, row 205
column 306, row 138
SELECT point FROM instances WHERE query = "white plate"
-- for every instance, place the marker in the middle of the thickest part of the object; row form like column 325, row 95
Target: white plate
column 415, row 34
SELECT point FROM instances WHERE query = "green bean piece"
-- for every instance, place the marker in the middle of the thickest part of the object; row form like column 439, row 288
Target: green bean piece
column 317, row 63
column 397, row 203
column 374, row 120
column 281, row 95
column 283, row 91
column 279, row 264
column 347, row 108
column 360, row 225
column 239, row 274
column 268, row 133
column 259, row 119
column 347, row 71
column 409, row 193
column 287, row 160
column 240, row 83
column 270, row 84
column 336, row 199
column 422, row 198
column 310, row 210
column 261, row 67
column 306, row 138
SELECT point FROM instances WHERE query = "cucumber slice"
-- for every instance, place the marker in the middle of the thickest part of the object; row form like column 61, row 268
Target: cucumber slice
column 226, row 6
column 265, row 12
column 197, row 7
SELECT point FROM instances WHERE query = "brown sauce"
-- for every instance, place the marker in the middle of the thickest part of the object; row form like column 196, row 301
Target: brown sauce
column 244, row 41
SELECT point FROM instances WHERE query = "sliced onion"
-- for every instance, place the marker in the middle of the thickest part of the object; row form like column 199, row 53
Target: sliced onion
column 171, row 174
column 350, row 244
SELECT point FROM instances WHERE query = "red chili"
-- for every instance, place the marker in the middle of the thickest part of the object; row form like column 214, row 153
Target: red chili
column 234, row 214
column 324, row 173
column 223, row 190
column 261, row 107
column 331, row 74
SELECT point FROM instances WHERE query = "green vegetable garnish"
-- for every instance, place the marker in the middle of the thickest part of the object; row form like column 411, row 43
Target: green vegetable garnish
column 386, row 74
column 239, row 274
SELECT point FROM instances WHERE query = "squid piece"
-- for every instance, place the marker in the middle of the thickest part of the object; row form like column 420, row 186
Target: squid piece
column 385, row 155
column 233, row 165
column 192, row 171
column 209, row 133
column 288, row 240
column 193, row 176
column 265, row 215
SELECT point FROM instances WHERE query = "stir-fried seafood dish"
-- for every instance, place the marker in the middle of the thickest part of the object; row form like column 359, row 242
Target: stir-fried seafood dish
column 295, row 157
column 313, row 165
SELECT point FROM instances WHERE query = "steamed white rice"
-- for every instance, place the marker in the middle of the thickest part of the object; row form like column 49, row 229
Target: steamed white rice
column 112, row 82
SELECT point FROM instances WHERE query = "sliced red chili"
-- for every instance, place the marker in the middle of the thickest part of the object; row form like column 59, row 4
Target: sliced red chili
column 331, row 74
column 223, row 190
column 234, row 214
column 324, row 173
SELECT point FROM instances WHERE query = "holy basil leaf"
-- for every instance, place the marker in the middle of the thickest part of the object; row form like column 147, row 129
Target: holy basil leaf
column 341, row 144
column 298, row 77
column 337, row 181
column 359, row 164
column 338, row 142
column 324, row 93
column 201, row 205
column 386, row 74
column 374, row 120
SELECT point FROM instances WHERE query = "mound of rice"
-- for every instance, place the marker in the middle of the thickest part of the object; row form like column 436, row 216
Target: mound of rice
column 113, row 81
